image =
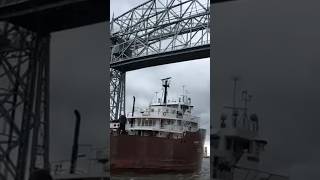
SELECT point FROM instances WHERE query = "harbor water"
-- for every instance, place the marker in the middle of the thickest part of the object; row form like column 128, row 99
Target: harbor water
column 204, row 174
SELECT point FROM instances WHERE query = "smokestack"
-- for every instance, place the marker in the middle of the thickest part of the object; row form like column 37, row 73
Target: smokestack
column 165, row 84
column 74, row 155
column 134, row 101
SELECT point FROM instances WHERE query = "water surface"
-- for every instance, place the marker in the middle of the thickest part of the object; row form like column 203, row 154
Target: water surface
column 204, row 174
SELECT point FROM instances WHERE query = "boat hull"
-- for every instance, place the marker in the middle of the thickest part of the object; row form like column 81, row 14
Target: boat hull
column 148, row 154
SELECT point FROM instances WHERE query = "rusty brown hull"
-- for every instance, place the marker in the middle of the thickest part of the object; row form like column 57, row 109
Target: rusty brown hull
column 155, row 154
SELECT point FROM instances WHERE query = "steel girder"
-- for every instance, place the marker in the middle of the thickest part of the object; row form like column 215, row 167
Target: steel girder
column 154, row 27
column 24, row 101
column 159, row 26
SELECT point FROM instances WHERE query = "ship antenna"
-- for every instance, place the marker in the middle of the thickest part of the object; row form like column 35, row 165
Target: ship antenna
column 165, row 84
column 235, row 79
column 246, row 98
column 234, row 109
column 183, row 89
column 156, row 96
column 183, row 93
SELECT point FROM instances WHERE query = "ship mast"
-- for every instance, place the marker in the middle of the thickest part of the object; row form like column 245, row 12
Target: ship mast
column 246, row 98
column 165, row 84
column 234, row 108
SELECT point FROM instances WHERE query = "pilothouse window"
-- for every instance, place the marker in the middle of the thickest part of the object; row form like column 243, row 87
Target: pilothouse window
column 146, row 122
column 132, row 121
column 215, row 142
column 228, row 143
column 179, row 122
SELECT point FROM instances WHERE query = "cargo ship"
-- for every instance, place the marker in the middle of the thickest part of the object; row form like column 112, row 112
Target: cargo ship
column 164, row 137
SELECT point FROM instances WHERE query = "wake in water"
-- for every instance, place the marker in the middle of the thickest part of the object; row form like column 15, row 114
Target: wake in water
column 204, row 174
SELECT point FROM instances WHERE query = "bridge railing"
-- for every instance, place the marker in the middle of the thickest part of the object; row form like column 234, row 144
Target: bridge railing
column 136, row 51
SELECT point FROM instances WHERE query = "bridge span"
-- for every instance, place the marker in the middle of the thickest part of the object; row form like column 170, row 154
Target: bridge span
column 154, row 33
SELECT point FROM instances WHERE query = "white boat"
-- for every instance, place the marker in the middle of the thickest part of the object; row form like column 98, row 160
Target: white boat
column 237, row 145
column 91, row 165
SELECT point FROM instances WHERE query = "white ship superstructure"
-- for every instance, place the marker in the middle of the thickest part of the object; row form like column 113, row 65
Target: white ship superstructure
column 90, row 165
column 237, row 145
column 162, row 118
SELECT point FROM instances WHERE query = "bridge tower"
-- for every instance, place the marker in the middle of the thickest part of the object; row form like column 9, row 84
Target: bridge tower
column 25, row 28
column 24, row 96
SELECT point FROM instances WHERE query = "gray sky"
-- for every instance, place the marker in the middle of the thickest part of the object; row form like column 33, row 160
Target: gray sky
column 78, row 81
column 273, row 46
column 118, row 7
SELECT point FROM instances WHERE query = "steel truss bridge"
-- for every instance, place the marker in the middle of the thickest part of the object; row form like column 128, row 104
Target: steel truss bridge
column 154, row 33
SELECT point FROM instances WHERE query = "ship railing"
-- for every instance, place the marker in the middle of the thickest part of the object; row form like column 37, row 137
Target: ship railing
column 175, row 128
column 136, row 127
column 63, row 167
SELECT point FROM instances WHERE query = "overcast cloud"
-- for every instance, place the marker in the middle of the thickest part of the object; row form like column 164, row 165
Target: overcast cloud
column 78, row 81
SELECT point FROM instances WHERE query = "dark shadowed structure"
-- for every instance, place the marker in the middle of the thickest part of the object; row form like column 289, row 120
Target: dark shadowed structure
column 272, row 46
